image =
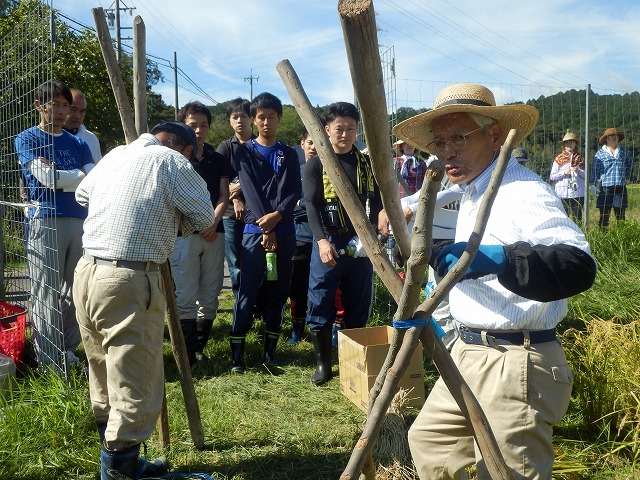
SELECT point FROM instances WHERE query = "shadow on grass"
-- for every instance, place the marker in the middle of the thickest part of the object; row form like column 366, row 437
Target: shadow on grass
column 274, row 466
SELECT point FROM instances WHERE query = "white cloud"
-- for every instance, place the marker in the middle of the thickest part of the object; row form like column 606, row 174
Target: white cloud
column 559, row 43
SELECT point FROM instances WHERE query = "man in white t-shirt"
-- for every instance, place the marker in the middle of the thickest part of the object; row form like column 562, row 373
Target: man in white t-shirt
column 74, row 124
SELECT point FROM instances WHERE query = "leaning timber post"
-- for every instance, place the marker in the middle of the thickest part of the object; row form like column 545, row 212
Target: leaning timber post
column 140, row 109
column 119, row 91
column 182, row 360
column 361, row 41
column 459, row 389
column 140, row 75
column 340, row 182
column 173, row 321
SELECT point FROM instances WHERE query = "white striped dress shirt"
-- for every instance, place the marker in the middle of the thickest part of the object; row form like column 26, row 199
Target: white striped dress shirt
column 525, row 209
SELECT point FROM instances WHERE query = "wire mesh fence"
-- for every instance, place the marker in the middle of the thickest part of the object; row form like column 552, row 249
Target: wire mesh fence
column 30, row 260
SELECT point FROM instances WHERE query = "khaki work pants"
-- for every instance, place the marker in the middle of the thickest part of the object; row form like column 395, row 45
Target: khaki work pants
column 523, row 392
column 121, row 316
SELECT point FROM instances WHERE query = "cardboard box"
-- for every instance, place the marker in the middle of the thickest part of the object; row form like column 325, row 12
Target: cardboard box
column 361, row 353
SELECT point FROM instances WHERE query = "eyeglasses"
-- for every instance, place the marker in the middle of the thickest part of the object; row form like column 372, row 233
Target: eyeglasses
column 457, row 142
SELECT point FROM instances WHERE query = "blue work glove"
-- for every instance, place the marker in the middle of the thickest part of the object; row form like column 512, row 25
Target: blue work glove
column 489, row 259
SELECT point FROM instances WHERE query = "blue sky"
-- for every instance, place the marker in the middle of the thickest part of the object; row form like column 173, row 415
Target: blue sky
column 538, row 47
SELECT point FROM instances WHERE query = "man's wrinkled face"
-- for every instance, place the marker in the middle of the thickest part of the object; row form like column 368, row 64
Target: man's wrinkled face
column 463, row 164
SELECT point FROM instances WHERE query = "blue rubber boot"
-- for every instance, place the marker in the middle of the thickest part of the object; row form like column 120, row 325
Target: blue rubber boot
column 119, row 465
column 297, row 331
column 337, row 326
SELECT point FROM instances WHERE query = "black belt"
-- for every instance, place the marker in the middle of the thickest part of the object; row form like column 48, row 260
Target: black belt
column 491, row 338
column 195, row 232
column 144, row 266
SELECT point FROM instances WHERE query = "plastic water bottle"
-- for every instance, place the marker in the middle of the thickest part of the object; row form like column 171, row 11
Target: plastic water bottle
column 349, row 250
column 272, row 266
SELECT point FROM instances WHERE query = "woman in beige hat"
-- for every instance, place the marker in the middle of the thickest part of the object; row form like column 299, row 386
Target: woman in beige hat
column 567, row 172
column 612, row 166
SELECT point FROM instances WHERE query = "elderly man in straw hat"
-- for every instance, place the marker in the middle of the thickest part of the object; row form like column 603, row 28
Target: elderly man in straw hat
column 507, row 306
column 612, row 166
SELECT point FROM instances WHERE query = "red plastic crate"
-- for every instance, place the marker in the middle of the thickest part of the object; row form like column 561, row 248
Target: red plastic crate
column 13, row 329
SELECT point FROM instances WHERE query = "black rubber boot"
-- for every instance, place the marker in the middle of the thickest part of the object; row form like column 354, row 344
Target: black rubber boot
column 190, row 332
column 204, row 330
column 270, row 342
column 297, row 330
column 119, row 465
column 322, row 349
column 237, row 354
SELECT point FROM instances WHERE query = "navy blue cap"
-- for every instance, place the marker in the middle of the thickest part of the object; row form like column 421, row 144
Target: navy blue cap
column 520, row 154
column 184, row 131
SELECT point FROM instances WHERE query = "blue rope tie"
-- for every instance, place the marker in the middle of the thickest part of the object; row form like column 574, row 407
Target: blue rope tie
column 419, row 322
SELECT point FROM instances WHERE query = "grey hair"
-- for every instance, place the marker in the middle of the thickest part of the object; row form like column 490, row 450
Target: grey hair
column 482, row 120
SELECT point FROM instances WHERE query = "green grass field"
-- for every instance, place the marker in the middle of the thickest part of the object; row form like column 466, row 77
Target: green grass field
column 273, row 424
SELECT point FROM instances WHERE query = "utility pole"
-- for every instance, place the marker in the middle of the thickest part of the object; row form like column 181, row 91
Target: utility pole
column 113, row 18
column 250, row 79
column 175, row 82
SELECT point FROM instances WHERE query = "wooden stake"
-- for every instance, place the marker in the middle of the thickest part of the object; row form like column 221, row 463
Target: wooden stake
column 182, row 360
column 126, row 114
column 361, row 41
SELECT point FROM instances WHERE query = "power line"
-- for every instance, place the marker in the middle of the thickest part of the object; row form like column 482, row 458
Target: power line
column 154, row 58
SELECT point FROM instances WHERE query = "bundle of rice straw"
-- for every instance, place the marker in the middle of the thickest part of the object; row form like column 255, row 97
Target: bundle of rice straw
column 391, row 451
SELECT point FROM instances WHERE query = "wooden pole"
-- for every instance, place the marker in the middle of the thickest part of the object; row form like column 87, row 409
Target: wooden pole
column 175, row 330
column 182, row 360
column 340, row 182
column 361, row 41
column 163, row 424
column 140, row 75
column 124, row 108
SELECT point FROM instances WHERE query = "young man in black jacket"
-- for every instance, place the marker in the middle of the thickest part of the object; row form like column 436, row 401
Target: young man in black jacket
column 269, row 174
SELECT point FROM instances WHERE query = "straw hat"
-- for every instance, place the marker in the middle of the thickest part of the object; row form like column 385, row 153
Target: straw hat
column 568, row 137
column 467, row 98
column 611, row 131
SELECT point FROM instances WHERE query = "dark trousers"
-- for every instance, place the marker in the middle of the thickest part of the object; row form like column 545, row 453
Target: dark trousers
column 574, row 207
column 355, row 278
column 232, row 244
column 614, row 197
column 300, row 281
column 253, row 276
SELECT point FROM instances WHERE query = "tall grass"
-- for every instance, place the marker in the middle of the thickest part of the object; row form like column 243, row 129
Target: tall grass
column 272, row 424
